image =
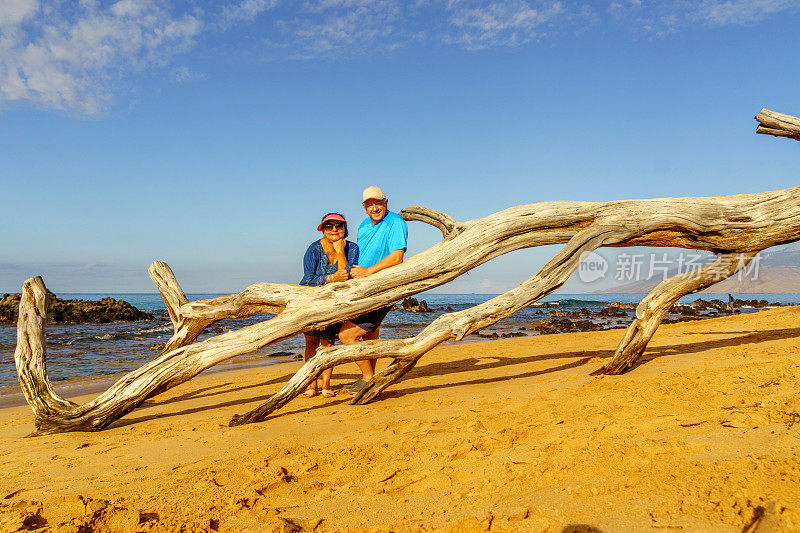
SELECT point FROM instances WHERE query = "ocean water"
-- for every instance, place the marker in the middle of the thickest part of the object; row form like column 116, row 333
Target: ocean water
column 83, row 350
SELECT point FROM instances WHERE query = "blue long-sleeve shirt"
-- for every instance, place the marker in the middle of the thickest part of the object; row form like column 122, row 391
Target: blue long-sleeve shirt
column 316, row 266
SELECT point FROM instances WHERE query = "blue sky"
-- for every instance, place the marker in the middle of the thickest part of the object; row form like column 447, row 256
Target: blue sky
column 213, row 135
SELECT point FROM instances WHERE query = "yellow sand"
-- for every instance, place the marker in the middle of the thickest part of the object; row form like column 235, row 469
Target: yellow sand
column 510, row 435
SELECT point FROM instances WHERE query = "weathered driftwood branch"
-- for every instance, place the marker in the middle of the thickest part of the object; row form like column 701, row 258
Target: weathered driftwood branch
column 651, row 310
column 29, row 354
column 185, row 330
column 443, row 221
column 778, row 124
column 736, row 226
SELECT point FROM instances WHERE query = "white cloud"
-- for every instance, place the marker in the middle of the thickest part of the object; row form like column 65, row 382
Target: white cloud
column 341, row 26
column 15, row 11
column 668, row 16
column 508, row 23
column 184, row 74
column 319, row 6
column 740, row 11
column 75, row 56
column 315, row 28
column 247, row 10
column 69, row 57
column 618, row 6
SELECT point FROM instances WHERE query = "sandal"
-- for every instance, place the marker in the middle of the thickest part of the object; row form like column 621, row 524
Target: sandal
column 309, row 393
column 328, row 393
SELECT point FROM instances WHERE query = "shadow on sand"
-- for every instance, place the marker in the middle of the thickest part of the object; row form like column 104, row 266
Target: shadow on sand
column 454, row 368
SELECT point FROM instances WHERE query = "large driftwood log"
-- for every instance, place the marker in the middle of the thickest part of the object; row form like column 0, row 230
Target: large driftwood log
column 736, row 226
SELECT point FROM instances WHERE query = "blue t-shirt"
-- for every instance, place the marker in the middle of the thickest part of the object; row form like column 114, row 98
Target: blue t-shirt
column 378, row 241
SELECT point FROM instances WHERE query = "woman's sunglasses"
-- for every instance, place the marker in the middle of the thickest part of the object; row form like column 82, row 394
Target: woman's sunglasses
column 331, row 225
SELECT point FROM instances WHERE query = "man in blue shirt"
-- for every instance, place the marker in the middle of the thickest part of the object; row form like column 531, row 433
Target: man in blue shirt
column 382, row 239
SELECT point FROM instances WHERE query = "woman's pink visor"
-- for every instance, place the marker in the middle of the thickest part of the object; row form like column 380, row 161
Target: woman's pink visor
column 332, row 216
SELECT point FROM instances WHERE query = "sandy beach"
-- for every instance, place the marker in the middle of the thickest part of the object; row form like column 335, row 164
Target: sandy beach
column 508, row 435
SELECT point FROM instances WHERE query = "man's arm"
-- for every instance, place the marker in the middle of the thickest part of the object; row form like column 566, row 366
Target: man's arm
column 394, row 258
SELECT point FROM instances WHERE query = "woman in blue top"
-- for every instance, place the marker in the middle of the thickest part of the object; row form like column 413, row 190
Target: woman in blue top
column 327, row 260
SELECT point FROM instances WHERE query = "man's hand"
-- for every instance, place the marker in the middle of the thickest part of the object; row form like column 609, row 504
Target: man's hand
column 339, row 275
column 394, row 258
column 359, row 271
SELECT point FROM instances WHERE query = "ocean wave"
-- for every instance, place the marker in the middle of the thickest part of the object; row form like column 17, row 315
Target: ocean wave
column 155, row 329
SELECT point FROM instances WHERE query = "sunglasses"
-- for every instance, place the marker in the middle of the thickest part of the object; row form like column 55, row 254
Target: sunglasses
column 331, row 225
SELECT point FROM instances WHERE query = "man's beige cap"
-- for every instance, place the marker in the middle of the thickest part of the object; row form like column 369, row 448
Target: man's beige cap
column 372, row 192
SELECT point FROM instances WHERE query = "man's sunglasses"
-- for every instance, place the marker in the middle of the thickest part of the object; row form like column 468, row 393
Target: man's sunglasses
column 331, row 225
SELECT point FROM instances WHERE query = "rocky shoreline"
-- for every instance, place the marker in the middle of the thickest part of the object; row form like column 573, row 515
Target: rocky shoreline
column 559, row 320
column 61, row 311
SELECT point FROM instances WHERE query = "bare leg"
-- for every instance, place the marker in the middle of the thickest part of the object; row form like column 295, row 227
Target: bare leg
column 350, row 334
column 312, row 343
column 326, row 374
column 372, row 336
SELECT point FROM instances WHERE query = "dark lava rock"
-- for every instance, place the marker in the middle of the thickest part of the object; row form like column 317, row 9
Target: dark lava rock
column 612, row 311
column 616, row 309
column 75, row 311
column 753, row 303
column 685, row 310
column 703, row 305
column 564, row 325
column 620, row 305
column 563, row 313
column 413, row 306
column 545, row 305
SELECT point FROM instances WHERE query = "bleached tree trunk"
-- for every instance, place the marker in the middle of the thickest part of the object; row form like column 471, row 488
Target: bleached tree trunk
column 736, row 226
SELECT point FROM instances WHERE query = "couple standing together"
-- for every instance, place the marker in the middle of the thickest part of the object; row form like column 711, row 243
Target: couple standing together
column 381, row 243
